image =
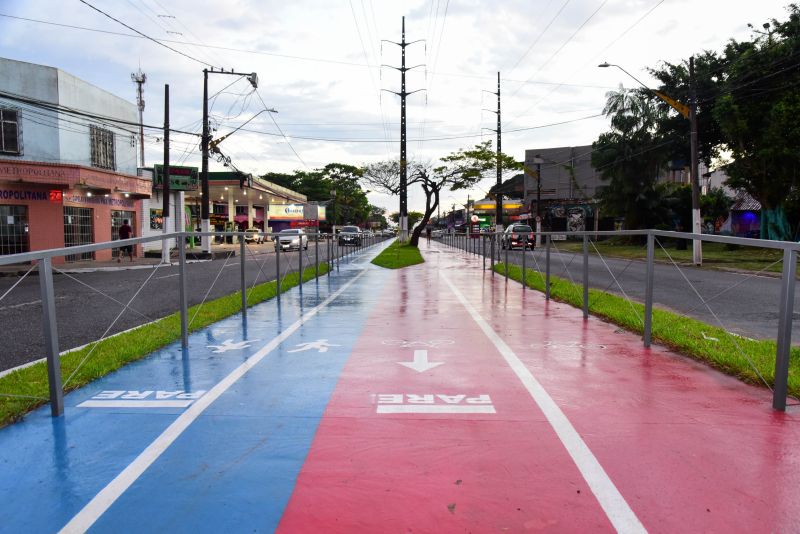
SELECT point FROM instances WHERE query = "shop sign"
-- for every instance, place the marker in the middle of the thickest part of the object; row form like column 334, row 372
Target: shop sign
column 10, row 194
column 56, row 195
column 286, row 212
column 180, row 178
column 108, row 201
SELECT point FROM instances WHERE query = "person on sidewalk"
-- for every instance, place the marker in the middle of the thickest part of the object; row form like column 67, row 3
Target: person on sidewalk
column 125, row 232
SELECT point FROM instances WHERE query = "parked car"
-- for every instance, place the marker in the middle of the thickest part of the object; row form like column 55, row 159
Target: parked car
column 253, row 235
column 350, row 235
column 518, row 235
column 291, row 238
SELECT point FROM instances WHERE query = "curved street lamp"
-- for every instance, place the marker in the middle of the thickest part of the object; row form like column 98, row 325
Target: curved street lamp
column 689, row 112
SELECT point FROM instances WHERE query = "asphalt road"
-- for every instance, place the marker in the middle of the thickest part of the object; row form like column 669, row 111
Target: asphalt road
column 740, row 302
column 88, row 303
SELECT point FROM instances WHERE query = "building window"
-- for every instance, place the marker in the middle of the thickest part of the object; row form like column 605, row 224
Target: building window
column 241, row 210
column 102, row 148
column 9, row 132
column 78, row 230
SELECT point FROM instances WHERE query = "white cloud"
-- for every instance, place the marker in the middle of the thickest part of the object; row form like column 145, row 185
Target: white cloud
column 340, row 98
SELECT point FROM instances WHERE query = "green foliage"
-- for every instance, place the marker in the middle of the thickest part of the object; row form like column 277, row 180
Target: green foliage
column 413, row 218
column 398, row 255
column 630, row 157
column 337, row 184
column 747, row 111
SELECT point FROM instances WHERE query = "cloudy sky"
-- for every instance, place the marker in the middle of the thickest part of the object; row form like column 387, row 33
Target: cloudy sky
column 319, row 65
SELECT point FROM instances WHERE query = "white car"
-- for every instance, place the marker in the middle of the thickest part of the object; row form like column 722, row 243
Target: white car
column 291, row 238
column 253, row 235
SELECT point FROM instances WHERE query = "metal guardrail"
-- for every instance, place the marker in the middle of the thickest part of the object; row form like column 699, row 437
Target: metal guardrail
column 43, row 261
column 470, row 243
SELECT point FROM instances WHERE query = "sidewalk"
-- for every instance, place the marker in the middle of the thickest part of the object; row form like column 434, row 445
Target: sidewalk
column 436, row 398
column 139, row 262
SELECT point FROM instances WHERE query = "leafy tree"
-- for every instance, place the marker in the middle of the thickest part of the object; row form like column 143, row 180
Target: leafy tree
column 378, row 215
column 757, row 113
column 715, row 204
column 459, row 170
column 413, row 217
column 630, row 157
column 337, row 184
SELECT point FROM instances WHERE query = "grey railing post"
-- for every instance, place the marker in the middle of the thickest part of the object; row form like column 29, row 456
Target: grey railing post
column 648, row 290
column 483, row 250
column 243, row 274
column 524, row 253
column 491, row 263
column 51, row 336
column 300, row 262
column 585, row 276
column 316, row 254
column 506, row 262
column 547, row 268
column 278, row 268
column 784, row 347
column 184, row 305
column 329, row 255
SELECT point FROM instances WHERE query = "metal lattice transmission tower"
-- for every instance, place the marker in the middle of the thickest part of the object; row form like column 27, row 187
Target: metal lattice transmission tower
column 403, row 94
column 139, row 78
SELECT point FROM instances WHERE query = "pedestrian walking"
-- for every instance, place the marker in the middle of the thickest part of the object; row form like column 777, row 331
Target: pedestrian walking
column 125, row 232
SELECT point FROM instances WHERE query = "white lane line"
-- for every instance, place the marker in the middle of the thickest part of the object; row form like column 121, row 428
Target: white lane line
column 101, row 502
column 611, row 500
column 167, row 276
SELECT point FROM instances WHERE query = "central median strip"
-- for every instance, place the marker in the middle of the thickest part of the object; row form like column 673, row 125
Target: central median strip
column 704, row 342
column 26, row 389
column 398, row 255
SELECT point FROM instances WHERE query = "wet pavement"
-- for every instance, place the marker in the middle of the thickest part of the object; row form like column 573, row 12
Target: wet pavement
column 436, row 398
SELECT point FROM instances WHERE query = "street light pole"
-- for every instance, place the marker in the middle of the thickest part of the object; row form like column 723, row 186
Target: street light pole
column 697, row 244
column 690, row 113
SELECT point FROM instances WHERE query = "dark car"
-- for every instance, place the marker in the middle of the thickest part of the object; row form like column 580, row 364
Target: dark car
column 518, row 235
column 350, row 235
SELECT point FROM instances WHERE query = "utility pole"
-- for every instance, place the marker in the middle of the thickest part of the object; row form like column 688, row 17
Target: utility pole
column 165, row 190
column 403, row 94
column 205, row 223
column 499, row 200
column 498, row 218
column 139, row 78
column 697, row 245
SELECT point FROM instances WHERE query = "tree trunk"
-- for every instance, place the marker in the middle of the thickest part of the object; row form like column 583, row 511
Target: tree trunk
column 429, row 210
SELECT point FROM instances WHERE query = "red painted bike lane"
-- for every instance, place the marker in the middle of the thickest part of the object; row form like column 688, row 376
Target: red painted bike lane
column 429, row 430
column 690, row 449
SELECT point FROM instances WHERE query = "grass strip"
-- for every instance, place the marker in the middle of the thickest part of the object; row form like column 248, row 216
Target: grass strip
column 112, row 353
column 398, row 255
column 698, row 340
column 715, row 255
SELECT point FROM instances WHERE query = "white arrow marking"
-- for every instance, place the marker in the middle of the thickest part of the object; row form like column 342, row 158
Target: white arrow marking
column 421, row 363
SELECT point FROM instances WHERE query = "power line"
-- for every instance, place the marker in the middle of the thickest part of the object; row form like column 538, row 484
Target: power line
column 442, row 138
column 281, row 131
column 299, row 58
column 538, row 37
column 565, row 43
column 75, row 112
column 158, row 42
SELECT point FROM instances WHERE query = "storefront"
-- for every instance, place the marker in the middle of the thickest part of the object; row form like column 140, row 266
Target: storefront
column 44, row 206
